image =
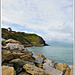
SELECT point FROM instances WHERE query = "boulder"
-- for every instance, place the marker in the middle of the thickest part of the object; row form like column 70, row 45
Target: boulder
column 69, row 72
column 25, row 57
column 71, row 66
column 28, row 53
column 62, row 67
column 51, row 69
column 18, row 64
column 13, row 44
column 6, row 70
column 49, row 62
column 40, row 55
column 17, row 55
column 7, row 55
column 38, row 59
column 31, row 69
column 23, row 73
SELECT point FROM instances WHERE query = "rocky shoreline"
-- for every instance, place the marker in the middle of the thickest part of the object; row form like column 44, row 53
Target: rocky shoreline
column 17, row 60
column 23, row 62
column 30, row 45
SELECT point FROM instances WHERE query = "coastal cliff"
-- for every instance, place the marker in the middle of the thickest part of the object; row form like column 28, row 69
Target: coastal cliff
column 24, row 38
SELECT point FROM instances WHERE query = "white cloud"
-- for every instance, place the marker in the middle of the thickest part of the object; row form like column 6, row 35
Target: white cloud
column 32, row 33
column 52, row 17
column 29, row 32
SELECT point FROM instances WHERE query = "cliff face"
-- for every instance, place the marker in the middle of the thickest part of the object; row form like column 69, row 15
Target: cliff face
column 25, row 38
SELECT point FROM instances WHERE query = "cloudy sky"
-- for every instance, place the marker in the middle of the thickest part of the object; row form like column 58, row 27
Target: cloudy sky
column 51, row 19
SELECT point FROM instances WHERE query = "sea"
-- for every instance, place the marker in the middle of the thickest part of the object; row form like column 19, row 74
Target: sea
column 58, row 53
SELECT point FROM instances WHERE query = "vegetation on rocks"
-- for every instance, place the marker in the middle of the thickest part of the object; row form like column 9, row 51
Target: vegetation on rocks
column 24, row 38
column 3, row 43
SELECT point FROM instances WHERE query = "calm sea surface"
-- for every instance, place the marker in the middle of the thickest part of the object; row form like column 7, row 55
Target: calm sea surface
column 58, row 53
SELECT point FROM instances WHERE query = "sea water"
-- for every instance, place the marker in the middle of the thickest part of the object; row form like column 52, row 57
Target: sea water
column 57, row 53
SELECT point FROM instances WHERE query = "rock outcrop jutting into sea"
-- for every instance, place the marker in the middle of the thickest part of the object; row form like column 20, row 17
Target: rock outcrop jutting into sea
column 17, row 60
column 24, row 38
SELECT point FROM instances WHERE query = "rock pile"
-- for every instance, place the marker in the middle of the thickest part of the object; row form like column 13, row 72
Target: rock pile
column 23, row 62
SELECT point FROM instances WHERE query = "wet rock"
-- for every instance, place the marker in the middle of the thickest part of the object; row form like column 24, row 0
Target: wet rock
column 51, row 69
column 35, row 70
column 40, row 55
column 6, row 70
column 38, row 59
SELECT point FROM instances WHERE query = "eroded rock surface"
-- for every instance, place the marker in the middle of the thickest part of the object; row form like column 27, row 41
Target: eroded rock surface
column 23, row 73
column 6, row 70
column 51, row 69
column 40, row 55
column 35, row 70
column 64, row 68
column 38, row 59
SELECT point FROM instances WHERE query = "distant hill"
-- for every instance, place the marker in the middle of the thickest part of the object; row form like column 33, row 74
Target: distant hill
column 24, row 38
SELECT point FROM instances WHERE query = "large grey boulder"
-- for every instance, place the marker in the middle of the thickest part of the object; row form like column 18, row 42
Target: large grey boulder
column 12, row 46
column 51, row 69
column 38, row 59
column 49, row 62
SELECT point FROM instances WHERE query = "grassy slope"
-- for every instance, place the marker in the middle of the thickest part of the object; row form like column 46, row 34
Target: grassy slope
column 24, row 38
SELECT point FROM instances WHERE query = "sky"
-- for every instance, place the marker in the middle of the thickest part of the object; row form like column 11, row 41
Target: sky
column 50, row 19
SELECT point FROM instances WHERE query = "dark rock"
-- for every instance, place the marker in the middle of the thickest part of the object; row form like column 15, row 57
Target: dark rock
column 18, row 64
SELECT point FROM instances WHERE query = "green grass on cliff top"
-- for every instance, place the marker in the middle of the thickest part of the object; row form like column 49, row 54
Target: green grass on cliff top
column 22, row 37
